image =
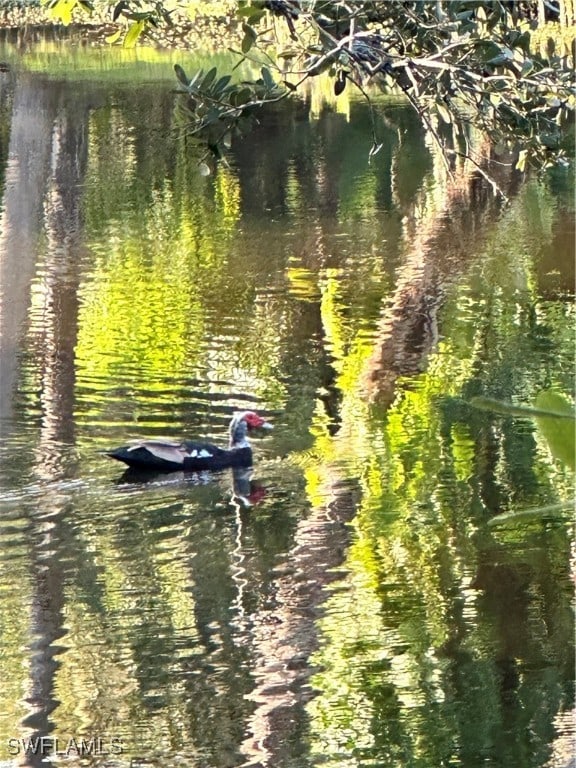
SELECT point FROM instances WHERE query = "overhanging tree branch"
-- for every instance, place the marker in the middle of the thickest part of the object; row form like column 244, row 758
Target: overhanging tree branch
column 456, row 61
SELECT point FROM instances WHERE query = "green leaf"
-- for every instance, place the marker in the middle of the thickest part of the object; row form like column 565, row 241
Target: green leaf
column 208, row 78
column 497, row 61
column 558, row 432
column 494, row 17
column 250, row 37
column 321, row 64
column 63, row 10
column 221, row 84
column 212, row 115
column 181, row 75
column 251, row 12
column 527, row 66
column 114, row 37
column 488, row 50
column 340, row 83
column 339, row 87
column 140, row 16
column 267, row 78
column 521, row 162
column 504, row 56
column 549, row 140
column 118, row 9
column 523, row 42
column 134, row 33
column 195, row 79
column 241, row 97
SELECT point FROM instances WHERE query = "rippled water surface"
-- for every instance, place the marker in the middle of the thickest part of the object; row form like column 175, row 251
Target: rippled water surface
column 390, row 584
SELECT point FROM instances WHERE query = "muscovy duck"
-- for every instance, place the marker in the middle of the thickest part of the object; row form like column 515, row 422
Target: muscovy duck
column 193, row 455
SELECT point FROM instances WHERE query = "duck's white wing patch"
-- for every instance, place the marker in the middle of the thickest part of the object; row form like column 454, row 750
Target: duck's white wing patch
column 198, row 453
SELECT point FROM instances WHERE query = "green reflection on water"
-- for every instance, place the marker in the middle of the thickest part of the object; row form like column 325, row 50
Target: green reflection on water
column 446, row 641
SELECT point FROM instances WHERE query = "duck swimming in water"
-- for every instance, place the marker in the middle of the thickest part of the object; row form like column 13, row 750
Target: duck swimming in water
column 194, row 455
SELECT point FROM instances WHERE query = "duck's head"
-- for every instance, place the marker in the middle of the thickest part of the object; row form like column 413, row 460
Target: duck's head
column 242, row 422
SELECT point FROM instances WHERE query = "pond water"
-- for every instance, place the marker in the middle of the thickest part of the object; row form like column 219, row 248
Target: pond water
column 354, row 600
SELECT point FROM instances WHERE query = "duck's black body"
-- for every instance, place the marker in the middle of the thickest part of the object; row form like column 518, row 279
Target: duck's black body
column 193, row 455
column 189, row 455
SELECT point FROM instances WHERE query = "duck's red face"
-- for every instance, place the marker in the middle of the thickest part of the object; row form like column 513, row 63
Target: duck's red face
column 254, row 421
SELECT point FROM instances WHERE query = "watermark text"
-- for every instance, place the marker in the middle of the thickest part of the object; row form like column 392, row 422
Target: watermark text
column 57, row 746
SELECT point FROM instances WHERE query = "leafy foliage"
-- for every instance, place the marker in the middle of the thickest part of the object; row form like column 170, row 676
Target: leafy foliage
column 214, row 108
column 63, row 9
column 140, row 15
column 457, row 63
column 496, row 65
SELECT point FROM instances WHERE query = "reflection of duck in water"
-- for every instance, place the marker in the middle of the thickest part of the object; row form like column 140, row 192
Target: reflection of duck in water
column 246, row 492
column 194, row 455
